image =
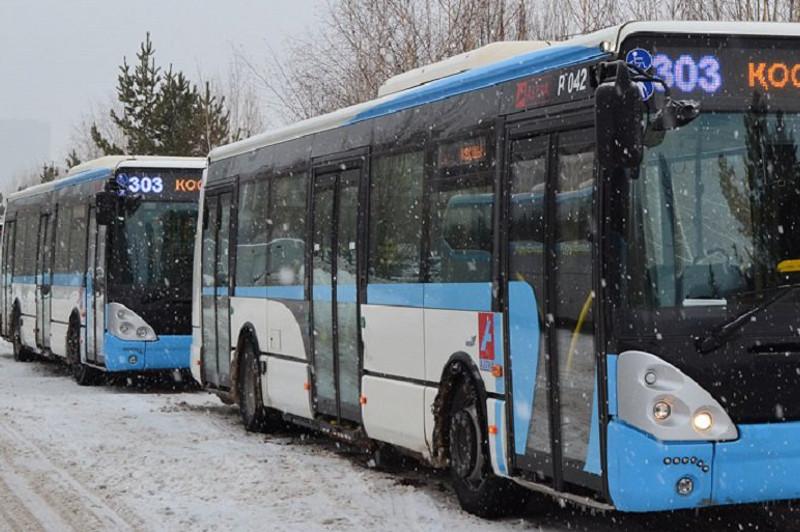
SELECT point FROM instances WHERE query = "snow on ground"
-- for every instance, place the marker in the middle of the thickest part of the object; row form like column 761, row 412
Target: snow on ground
column 121, row 457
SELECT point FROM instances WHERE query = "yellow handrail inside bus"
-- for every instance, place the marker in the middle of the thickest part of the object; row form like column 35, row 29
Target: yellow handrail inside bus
column 587, row 306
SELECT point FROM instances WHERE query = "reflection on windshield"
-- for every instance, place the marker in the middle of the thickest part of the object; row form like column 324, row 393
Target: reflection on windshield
column 151, row 248
column 716, row 210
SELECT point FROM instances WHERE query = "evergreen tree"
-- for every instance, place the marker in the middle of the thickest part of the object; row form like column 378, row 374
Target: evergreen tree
column 49, row 173
column 163, row 112
column 73, row 159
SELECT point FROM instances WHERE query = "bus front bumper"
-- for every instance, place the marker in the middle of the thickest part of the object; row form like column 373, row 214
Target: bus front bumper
column 167, row 353
column 762, row 465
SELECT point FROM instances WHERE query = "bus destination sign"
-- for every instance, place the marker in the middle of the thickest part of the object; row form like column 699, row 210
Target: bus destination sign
column 168, row 184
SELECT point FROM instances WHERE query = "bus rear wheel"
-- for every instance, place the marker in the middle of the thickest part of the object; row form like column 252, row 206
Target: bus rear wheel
column 479, row 490
column 251, row 406
column 21, row 353
column 84, row 375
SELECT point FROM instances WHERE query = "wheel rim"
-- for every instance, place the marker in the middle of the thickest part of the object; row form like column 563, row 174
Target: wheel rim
column 464, row 446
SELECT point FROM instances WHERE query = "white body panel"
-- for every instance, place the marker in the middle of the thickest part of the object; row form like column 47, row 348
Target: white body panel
column 394, row 341
column 25, row 294
column 287, row 386
column 395, row 413
column 448, row 332
column 283, row 335
column 246, row 310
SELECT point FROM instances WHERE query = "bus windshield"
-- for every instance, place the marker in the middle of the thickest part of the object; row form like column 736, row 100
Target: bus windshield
column 715, row 213
column 151, row 249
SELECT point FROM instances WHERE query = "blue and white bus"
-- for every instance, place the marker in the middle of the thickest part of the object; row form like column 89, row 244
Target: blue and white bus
column 97, row 266
column 566, row 267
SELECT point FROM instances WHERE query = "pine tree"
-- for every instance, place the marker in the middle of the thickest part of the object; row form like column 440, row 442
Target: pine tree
column 72, row 159
column 49, row 173
column 212, row 120
column 163, row 112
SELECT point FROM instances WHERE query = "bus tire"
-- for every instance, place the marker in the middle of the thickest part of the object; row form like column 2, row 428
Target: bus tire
column 251, row 405
column 84, row 375
column 479, row 490
column 21, row 353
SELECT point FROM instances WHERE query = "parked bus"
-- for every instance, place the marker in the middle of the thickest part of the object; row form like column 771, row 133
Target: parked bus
column 97, row 266
column 568, row 267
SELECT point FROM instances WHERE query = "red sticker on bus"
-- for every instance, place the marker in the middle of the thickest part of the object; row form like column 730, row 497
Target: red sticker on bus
column 486, row 336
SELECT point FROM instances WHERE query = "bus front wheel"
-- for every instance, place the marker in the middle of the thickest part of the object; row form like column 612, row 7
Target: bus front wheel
column 251, row 406
column 479, row 490
column 84, row 375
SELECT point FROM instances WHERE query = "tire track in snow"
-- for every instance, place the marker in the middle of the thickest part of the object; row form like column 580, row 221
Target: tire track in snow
column 56, row 499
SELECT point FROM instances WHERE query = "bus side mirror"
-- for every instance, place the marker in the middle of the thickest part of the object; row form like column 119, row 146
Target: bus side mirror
column 106, row 203
column 618, row 118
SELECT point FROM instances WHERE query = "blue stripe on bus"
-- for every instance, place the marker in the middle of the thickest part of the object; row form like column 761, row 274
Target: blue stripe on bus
column 517, row 67
column 524, row 335
column 400, row 294
column 67, row 279
column 450, row 296
column 446, row 296
column 58, row 279
column 295, row 292
column 83, row 177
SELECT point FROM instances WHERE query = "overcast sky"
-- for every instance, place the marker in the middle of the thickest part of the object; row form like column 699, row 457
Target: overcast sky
column 57, row 57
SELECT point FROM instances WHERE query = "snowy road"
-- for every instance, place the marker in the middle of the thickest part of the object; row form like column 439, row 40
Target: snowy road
column 119, row 458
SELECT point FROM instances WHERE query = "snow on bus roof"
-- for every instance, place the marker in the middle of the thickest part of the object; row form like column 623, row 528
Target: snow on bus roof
column 103, row 167
column 539, row 57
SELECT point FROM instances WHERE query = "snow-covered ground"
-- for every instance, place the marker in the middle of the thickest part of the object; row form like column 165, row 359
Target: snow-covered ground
column 122, row 458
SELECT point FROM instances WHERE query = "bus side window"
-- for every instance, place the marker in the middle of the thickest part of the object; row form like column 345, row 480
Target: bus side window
column 461, row 210
column 251, row 240
column 395, row 221
column 77, row 241
column 287, row 231
column 63, row 223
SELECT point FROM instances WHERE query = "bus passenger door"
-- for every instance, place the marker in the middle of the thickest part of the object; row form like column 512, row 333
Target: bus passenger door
column 44, row 254
column 99, row 284
column 91, row 316
column 334, row 259
column 9, row 232
column 549, row 201
column 216, row 354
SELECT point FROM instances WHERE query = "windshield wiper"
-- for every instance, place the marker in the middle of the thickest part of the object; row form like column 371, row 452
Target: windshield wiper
column 722, row 333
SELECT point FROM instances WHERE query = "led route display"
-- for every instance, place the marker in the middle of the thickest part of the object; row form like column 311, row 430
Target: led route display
column 723, row 72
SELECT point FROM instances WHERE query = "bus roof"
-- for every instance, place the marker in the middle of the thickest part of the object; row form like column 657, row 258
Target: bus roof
column 103, row 167
column 467, row 73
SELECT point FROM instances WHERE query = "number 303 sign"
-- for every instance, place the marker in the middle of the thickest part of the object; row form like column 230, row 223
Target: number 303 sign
column 145, row 184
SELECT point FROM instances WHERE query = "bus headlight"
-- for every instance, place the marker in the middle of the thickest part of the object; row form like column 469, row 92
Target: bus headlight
column 659, row 399
column 661, row 410
column 127, row 325
column 702, row 421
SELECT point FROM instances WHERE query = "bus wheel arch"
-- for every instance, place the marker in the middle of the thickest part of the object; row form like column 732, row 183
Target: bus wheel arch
column 246, row 380
column 461, row 442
